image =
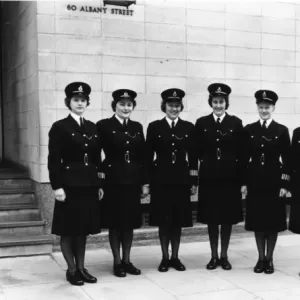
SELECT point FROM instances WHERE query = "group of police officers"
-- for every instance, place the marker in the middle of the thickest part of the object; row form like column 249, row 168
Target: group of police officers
column 217, row 154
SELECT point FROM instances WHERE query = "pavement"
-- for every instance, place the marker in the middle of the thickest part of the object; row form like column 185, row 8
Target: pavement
column 43, row 277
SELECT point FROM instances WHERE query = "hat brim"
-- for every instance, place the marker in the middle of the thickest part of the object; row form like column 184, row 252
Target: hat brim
column 265, row 100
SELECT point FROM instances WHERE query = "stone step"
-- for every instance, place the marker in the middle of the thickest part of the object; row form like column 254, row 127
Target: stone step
column 25, row 245
column 9, row 173
column 22, row 228
column 19, row 212
column 15, row 184
column 13, row 197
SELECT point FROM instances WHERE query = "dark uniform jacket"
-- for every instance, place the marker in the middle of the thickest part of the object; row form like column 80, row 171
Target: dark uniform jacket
column 267, row 155
column 219, row 149
column 73, row 154
column 124, row 150
column 175, row 160
column 295, row 164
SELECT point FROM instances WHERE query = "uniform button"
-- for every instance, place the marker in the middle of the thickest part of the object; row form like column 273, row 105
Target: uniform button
column 217, row 140
column 126, row 132
column 127, row 151
column 86, row 145
column 173, row 135
column 262, row 145
column 68, row 167
column 129, row 161
column 127, row 142
column 73, row 134
column 173, row 144
column 84, row 135
column 86, row 164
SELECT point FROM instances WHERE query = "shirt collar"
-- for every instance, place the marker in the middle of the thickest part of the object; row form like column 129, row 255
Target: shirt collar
column 75, row 117
column 121, row 120
column 267, row 123
column 221, row 118
column 170, row 121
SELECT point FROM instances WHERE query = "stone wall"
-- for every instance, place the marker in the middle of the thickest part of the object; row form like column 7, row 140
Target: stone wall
column 20, row 85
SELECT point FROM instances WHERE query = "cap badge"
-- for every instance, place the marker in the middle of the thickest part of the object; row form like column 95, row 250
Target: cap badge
column 264, row 95
column 219, row 90
column 126, row 95
column 80, row 89
column 174, row 94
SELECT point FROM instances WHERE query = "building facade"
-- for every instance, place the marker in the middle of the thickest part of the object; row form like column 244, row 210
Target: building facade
column 148, row 46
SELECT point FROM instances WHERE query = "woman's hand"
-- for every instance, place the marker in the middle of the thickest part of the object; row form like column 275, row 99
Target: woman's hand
column 101, row 194
column 282, row 193
column 145, row 190
column 244, row 191
column 60, row 195
column 193, row 189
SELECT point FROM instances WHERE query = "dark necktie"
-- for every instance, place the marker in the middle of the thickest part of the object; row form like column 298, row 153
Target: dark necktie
column 173, row 124
column 218, row 122
column 125, row 124
column 81, row 123
column 264, row 126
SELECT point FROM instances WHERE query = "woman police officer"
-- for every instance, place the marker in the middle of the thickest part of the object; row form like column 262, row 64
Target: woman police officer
column 123, row 143
column 218, row 141
column 72, row 162
column 173, row 176
column 266, row 179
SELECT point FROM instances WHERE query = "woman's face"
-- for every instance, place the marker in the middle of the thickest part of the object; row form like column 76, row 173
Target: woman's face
column 265, row 110
column 124, row 109
column 173, row 110
column 218, row 104
column 78, row 104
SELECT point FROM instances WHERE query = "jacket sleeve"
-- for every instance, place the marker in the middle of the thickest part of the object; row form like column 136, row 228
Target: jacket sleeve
column 192, row 158
column 285, row 158
column 143, row 157
column 241, row 139
column 101, row 174
column 150, row 148
column 55, row 157
column 244, row 155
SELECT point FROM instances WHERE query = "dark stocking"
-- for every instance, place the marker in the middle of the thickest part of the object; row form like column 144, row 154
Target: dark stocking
column 225, row 238
column 79, row 251
column 271, row 239
column 261, row 244
column 164, row 238
column 213, row 233
column 175, row 234
column 115, row 242
column 66, row 245
column 126, row 238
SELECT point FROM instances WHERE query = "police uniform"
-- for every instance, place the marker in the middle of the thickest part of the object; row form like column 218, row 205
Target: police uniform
column 173, row 170
column 219, row 150
column 294, row 221
column 267, row 151
column 72, row 162
column 124, row 169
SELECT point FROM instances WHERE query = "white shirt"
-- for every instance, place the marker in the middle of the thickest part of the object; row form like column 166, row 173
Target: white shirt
column 221, row 118
column 170, row 121
column 76, row 117
column 121, row 120
column 267, row 123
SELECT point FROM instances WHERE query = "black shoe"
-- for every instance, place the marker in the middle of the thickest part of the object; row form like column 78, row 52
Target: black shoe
column 269, row 267
column 119, row 270
column 164, row 265
column 86, row 276
column 213, row 263
column 225, row 264
column 259, row 267
column 176, row 264
column 74, row 278
column 131, row 269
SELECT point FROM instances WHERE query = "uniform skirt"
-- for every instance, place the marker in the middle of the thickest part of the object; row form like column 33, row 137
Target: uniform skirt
column 121, row 206
column 219, row 202
column 79, row 214
column 265, row 211
column 170, row 205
